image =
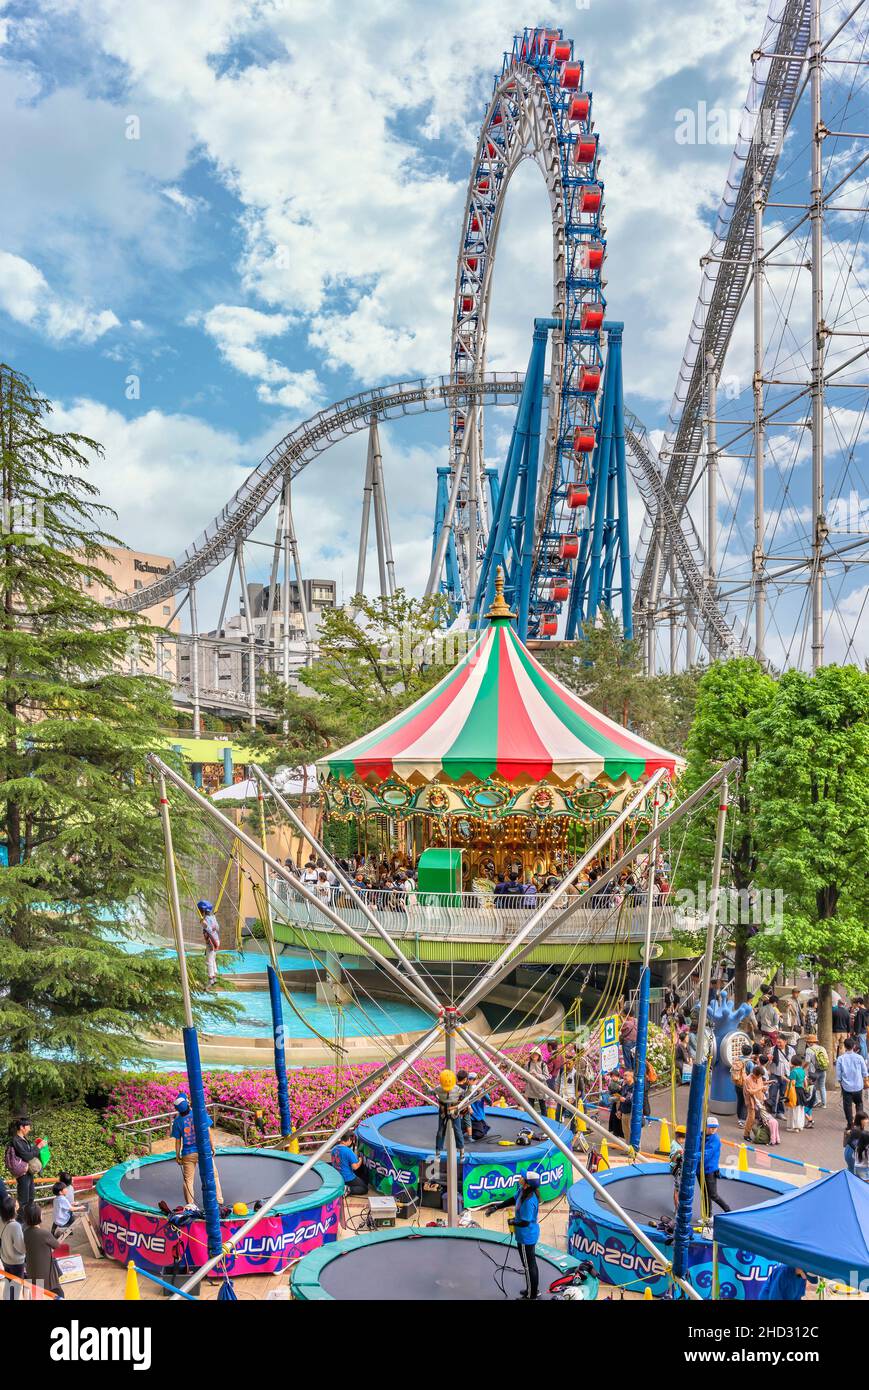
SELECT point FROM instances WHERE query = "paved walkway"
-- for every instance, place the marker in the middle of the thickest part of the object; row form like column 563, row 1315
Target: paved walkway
column 820, row 1146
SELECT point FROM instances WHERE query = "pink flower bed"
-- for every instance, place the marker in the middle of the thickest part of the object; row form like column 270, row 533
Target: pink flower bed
column 311, row 1090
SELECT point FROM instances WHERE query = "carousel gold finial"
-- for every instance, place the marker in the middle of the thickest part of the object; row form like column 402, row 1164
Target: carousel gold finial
column 500, row 607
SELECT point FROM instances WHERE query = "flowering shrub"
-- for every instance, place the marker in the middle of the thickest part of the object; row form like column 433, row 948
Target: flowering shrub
column 139, row 1095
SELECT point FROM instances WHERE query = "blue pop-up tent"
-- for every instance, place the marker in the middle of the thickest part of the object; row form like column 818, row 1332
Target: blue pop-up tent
column 822, row 1228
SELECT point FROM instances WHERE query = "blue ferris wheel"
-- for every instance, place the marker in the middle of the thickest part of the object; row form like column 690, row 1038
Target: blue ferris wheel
column 555, row 515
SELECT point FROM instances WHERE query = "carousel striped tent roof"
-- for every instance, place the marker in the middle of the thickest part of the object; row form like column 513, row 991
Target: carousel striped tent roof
column 498, row 713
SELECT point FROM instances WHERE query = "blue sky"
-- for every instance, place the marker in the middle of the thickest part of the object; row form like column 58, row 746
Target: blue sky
column 281, row 230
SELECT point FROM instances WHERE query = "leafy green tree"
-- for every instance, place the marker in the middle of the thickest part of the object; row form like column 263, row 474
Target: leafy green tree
column 376, row 660
column 607, row 671
column 77, row 809
column 732, row 699
column 811, row 822
column 308, row 727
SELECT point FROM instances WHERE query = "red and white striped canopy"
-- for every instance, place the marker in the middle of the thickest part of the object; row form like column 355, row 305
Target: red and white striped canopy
column 498, row 713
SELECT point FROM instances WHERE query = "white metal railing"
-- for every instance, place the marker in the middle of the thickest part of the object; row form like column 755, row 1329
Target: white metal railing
column 476, row 914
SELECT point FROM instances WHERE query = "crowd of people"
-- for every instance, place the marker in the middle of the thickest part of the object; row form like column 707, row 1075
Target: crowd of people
column 27, row 1241
column 391, row 884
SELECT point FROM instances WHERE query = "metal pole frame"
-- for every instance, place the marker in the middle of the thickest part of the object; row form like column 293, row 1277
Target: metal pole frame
column 350, row 1123
column 643, row 999
column 697, row 1092
column 345, row 883
column 506, row 962
column 277, row 868
column 573, row 1159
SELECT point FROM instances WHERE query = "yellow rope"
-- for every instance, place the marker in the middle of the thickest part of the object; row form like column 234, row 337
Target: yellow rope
column 262, row 908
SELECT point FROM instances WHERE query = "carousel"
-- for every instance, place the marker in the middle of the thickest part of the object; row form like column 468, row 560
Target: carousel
column 499, row 761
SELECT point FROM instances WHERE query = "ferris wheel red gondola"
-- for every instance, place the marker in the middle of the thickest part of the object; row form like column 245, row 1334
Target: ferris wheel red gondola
column 539, row 110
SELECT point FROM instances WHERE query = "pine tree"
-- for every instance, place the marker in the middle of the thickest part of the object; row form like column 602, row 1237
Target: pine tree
column 77, row 806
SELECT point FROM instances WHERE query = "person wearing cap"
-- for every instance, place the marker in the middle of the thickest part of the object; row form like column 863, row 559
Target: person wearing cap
column 710, row 1169
column 186, row 1150
column 479, row 1126
column 525, row 1226
column 449, row 1098
column 211, row 936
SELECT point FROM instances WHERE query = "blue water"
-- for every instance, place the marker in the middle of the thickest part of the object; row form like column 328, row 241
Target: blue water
column 254, row 1018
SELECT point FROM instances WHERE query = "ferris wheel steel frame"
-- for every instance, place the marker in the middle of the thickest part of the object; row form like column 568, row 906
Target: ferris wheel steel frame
column 539, row 110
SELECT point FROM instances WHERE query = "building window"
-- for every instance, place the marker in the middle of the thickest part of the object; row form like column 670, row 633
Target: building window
column 137, row 583
column 166, row 608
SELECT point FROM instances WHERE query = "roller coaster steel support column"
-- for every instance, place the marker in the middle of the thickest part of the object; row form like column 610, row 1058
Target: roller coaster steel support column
column 194, row 660
column 592, row 585
column 380, row 505
column 249, row 633
column 816, row 220
column 711, row 489
column 285, row 586
column 450, row 584
column 511, row 537
column 367, row 488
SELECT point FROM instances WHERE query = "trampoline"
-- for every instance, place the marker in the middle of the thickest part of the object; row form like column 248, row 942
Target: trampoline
column 132, row 1226
column 434, row 1265
column 645, row 1193
column 398, row 1147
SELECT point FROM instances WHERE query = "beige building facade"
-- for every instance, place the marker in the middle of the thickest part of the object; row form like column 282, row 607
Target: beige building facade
column 129, row 571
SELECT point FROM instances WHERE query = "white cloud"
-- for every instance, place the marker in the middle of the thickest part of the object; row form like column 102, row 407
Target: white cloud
column 237, row 331
column 27, row 297
column 188, row 205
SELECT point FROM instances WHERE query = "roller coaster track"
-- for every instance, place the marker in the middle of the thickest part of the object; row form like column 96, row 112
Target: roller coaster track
column 725, row 279
column 258, row 493
column 261, row 489
column 681, row 534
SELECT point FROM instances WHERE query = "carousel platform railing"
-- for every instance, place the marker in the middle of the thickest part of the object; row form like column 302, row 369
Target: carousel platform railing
column 480, row 915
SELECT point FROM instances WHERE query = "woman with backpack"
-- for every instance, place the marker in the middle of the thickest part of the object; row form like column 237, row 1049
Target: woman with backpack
column 798, row 1099
column 817, row 1066
column 22, row 1160
column 738, row 1070
column 754, row 1089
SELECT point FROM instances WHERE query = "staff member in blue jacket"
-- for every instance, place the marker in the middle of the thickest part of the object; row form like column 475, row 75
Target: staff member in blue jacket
column 353, row 1169
column 525, row 1227
column 479, row 1126
column 709, row 1171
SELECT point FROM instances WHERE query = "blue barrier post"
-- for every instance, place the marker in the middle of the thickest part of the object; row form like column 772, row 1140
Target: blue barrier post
column 280, row 1056
column 201, row 1125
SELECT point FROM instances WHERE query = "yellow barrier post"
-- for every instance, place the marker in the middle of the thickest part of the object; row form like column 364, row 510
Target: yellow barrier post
column 131, row 1287
column 664, row 1138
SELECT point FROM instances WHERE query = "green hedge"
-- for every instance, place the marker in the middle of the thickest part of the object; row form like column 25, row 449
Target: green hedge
column 79, row 1140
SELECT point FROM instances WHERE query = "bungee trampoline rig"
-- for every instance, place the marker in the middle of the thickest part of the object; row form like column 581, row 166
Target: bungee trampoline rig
column 449, row 1028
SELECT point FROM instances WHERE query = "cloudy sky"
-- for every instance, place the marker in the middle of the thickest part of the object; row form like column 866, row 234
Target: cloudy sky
column 251, row 208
